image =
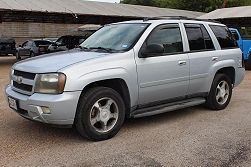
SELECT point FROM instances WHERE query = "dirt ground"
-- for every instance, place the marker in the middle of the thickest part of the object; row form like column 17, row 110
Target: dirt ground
column 190, row 137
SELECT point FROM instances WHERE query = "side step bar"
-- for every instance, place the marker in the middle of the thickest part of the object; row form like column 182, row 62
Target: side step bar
column 167, row 107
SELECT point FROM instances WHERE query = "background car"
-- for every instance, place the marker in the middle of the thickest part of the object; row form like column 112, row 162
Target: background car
column 7, row 46
column 51, row 39
column 32, row 48
column 245, row 46
column 74, row 39
column 66, row 42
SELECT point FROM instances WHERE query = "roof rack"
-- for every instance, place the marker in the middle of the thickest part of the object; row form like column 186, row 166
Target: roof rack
column 178, row 18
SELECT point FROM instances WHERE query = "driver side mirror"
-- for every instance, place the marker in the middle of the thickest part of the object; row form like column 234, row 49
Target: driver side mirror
column 151, row 50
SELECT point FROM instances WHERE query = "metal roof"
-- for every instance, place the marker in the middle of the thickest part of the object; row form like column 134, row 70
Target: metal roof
column 82, row 7
column 225, row 13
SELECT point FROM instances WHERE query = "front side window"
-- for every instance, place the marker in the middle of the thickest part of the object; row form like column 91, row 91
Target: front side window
column 224, row 36
column 169, row 36
column 115, row 37
column 62, row 40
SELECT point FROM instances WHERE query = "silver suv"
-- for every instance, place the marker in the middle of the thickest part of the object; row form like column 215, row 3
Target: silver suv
column 129, row 69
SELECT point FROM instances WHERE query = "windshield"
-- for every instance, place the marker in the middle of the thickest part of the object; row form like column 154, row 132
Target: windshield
column 116, row 37
column 62, row 40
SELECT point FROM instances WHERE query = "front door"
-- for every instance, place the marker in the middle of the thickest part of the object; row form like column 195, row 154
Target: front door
column 163, row 77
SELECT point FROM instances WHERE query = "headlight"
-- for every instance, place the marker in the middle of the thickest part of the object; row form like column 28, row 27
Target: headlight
column 52, row 83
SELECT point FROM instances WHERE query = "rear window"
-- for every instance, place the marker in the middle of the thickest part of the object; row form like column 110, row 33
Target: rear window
column 42, row 43
column 224, row 37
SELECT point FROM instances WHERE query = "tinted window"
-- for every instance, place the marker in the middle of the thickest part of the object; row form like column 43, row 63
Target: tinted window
column 169, row 36
column 198, row 37
column 207, row 39
column 62, row 40
column 195, row 37
column 224, row 37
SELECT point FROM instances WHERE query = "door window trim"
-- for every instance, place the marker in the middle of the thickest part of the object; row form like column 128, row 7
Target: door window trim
column 169, row 25
column 198, row 25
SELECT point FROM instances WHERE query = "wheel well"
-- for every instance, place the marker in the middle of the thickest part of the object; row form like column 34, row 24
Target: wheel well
column 118, row 85
column 229, row 71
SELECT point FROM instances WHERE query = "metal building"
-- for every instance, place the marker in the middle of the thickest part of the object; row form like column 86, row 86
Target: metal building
column 236, row 17
column 25, row 19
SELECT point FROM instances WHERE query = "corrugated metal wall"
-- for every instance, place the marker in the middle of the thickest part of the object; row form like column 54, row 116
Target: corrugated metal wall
column 22, row 31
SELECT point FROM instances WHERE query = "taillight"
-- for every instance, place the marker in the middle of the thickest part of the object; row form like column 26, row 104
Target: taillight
column 41, row 49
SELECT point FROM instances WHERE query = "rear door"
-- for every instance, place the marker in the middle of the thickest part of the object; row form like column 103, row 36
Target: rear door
column 201, row 55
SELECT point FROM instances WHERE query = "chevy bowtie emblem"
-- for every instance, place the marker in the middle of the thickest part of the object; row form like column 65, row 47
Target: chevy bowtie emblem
column 19, row 79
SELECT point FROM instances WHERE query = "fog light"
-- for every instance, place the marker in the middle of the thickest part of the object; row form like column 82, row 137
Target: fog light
column 46, row 110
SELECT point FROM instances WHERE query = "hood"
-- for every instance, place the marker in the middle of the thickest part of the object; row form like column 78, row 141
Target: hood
column 55, row 61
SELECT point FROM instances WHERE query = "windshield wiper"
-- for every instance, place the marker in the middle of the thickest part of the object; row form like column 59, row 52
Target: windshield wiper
column 102, row 48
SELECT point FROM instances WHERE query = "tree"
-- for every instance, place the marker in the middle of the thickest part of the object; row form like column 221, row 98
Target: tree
column 193, row 5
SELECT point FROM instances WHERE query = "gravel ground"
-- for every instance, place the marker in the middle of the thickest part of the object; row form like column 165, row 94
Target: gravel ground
column 189, row 137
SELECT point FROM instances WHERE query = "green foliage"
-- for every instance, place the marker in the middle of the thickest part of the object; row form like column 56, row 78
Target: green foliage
column 193, row 5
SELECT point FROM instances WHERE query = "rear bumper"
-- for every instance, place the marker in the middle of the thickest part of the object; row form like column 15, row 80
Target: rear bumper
column 63, row 107
column 239, row 76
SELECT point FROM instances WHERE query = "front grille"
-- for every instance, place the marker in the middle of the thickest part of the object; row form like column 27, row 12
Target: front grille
column 25, row 74
column 23, row 82
column 21, row 86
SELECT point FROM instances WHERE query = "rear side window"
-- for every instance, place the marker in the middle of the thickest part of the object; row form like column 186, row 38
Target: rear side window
column 169, row 36
column 198, row 37
column 224, row 37
column 207, row 39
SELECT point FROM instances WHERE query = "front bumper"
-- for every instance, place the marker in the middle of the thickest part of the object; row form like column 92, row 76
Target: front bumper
column 63, row 106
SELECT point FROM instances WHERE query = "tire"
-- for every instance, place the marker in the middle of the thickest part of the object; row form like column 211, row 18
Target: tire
column 32, row 54
column 91, row 113
column 216, row 99
column 248, row 63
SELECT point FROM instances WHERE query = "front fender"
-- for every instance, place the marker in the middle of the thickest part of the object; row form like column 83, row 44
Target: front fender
column 100, row 75
column 105, row 74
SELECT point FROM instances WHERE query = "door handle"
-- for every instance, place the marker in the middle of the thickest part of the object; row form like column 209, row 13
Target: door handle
column 215, row 58
column 181, row 63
